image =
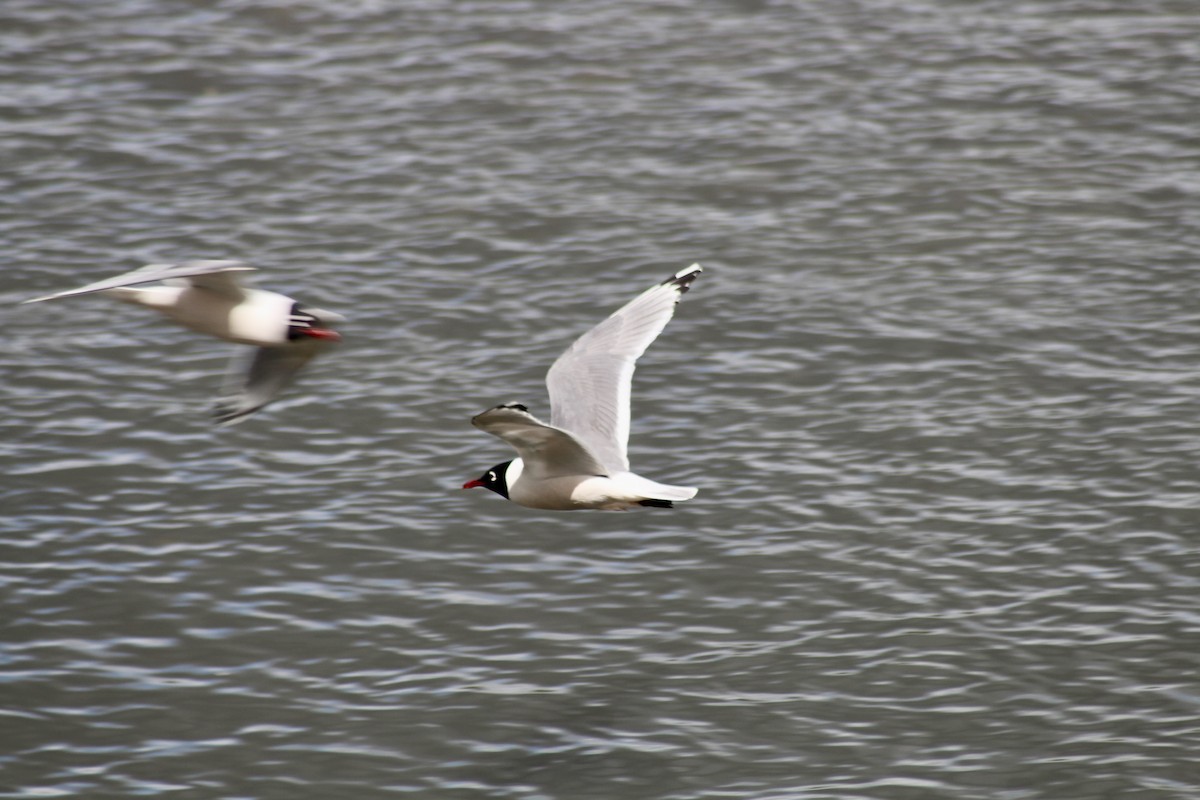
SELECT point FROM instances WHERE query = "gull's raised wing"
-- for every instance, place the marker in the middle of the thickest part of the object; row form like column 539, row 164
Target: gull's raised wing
column 589, row 384
column 215, row 275
column 547, row 451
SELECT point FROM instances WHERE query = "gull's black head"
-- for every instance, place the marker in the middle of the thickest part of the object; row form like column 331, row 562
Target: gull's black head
column 305, row 322
column 494, row 479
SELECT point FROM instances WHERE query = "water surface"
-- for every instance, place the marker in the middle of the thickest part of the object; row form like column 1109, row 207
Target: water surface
column 938, row 385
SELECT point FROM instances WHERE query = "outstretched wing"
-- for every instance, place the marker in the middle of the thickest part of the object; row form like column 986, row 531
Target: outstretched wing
column 253, row 382
column 547, row 451
column 215, row 275
column 589, row 384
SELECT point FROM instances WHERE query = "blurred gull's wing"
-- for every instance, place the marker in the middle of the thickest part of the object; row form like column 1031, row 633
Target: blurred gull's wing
column 250, row 386
column 589, row 384
column 210, row 274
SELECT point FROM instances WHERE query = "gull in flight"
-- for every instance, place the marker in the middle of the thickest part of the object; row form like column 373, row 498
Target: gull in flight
column 207, row 297
column 578, row 461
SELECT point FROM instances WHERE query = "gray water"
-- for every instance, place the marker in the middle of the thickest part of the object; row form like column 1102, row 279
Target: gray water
column 939, row 385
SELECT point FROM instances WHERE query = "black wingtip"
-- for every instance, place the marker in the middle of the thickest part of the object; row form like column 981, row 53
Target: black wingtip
column 684, row 278
column 653, row 502
column 226, row 414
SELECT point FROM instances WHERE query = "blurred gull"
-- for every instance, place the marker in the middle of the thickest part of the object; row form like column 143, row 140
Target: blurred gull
column 207, row 297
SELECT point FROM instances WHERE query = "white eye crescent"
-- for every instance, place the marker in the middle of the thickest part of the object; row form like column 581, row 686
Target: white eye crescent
column 491, row 475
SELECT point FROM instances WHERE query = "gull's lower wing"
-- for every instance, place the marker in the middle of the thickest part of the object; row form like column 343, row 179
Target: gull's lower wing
column 210, row 274
column 253, row 382
column 548, row 452
column 589, row 384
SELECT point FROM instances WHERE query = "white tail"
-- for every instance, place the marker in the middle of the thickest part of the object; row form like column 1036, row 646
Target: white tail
column 645, row 487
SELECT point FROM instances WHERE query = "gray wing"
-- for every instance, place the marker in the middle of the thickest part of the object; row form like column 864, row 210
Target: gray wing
column 214, row 275
column 547, row 451
column 589, row 384
column 254, row 381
